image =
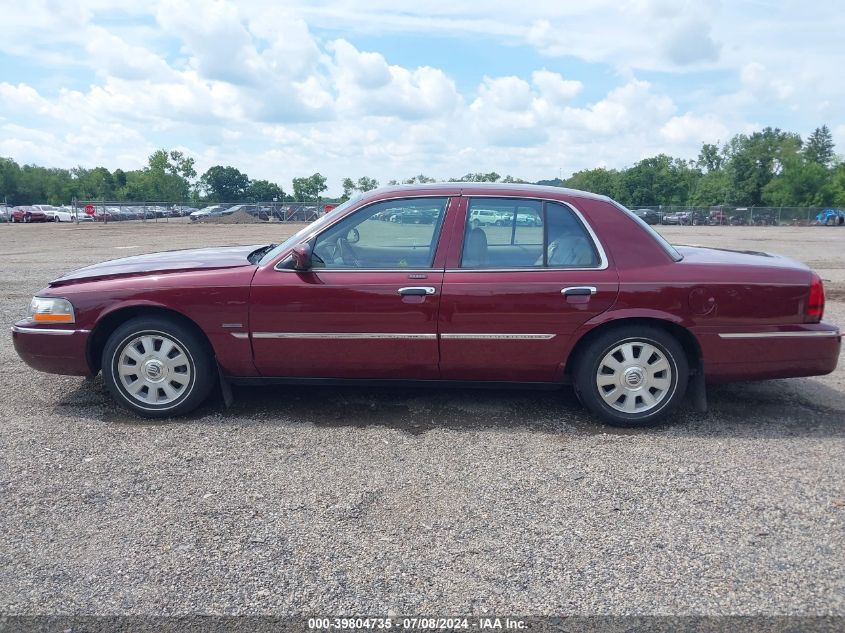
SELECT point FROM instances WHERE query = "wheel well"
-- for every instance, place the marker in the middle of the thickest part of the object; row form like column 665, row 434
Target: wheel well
column 686, row 338
column 109, row 323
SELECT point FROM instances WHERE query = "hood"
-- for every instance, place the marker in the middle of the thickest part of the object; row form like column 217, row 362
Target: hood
column 165, row 262
column 725, row 256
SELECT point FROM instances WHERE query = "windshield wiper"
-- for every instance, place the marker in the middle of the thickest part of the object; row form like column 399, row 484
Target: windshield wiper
column 255, row 256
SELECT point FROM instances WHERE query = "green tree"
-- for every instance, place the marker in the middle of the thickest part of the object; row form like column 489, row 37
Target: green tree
column 224, row 184
column 711, row 189
column 10, row 173
column 754, row 160
column 478, row 177
column 420, row 179
column 348, row 189
column 710, row 158
column 801, row 182
column 167, row 176
column 657, row 180
column 310, row 187
column 365, row 183
column 819, row 147
column 599, row 180
column 263, row 191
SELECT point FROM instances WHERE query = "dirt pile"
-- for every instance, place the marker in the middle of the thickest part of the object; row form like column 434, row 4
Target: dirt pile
column 238, row 217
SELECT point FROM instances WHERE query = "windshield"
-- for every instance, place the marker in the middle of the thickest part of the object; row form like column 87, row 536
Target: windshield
column 307, row 230
column 670, row 250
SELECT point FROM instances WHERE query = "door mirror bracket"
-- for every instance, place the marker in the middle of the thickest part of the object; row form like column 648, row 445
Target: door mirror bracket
column 301, row 256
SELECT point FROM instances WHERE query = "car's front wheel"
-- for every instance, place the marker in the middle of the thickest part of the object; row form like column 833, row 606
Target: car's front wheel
column 157, row 367
column 632, row 376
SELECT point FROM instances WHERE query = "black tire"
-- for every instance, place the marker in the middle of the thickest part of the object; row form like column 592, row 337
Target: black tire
column 200, row 364
column 27, row 218
column 591, row 361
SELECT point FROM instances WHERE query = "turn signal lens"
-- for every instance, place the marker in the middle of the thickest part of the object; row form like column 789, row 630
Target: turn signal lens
column 815, row 302
column 51, row 310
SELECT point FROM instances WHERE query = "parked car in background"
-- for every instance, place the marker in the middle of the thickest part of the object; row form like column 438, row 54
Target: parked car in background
column 718, row 217
column 831, row 217
column 600, row 301
column 764, row 218
column 65, row 214
column 299, row 212
column 197, row 216
column 55, row 214
column 413, row 216
column 486, row 217
column 649, row 216
column 680, row 217
column 28, row 214
column 5, row 213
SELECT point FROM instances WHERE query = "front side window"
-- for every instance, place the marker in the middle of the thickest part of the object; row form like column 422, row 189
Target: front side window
column 513, row 233
column 393, row 234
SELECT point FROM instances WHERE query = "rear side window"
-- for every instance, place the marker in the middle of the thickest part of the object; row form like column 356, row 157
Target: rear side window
column 515, row 233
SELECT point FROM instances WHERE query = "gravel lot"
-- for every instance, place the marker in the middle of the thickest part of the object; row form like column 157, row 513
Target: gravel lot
column 318, row 500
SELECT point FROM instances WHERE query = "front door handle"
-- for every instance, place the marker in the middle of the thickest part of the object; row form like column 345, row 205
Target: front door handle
column 574, row 291
column 419, row 291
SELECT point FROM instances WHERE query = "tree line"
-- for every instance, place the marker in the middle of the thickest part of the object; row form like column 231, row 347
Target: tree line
column 169, row 176
column 766, row 168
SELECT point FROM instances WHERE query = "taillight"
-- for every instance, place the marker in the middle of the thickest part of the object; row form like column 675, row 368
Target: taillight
column 815, row 302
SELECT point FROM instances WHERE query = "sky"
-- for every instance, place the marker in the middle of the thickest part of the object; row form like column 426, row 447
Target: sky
column 390, row 89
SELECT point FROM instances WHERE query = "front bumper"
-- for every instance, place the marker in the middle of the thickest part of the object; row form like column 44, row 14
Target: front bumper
column 774, row 352
column 50, row 349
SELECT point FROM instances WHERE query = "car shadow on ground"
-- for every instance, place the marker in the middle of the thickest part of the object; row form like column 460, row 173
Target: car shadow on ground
column 782, row 408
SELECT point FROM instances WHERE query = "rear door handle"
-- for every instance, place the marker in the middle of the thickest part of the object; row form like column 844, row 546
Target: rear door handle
column 419, row 291
column 574, row 291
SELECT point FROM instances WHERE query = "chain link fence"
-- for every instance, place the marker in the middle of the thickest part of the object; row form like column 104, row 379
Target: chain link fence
column 180, row 212
column 740, row 216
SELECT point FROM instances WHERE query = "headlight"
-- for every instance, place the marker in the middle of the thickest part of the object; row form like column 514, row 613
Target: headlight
column 50, row 310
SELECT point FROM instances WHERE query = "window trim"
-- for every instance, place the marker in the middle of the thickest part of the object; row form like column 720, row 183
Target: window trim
column 313, row 236
column 664, row 244
column 603, row 261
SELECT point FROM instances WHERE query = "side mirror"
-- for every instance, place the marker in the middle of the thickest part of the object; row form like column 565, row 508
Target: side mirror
column 301, row 255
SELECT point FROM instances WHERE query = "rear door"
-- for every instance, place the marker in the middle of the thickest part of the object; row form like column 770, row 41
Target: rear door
column 514, row 294
column 368, row 306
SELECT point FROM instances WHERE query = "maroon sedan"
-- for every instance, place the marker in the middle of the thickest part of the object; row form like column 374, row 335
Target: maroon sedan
column 568, row 287
column 28, row 214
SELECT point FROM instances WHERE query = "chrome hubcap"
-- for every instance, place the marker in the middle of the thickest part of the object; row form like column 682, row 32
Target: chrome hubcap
column 634, row 377
column 154, row 369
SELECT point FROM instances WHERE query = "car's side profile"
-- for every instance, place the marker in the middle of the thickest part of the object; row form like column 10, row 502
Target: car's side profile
column 55, row 214
column 27, row 214
column 573, row 288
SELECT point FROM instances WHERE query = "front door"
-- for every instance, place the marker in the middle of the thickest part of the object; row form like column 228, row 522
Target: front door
column 368, row 306
column 518, row 289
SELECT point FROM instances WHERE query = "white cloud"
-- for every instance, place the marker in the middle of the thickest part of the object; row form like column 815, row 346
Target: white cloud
column 696, row 129
column 689, row 43
column 765, row 84
column 367, row 85
column 555, row 88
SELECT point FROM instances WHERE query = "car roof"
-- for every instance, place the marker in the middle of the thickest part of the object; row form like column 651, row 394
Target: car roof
column 487, row 188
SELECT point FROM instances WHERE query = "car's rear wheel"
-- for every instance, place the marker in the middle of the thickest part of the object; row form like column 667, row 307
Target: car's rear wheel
column 632, row 376
column 157, row 367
